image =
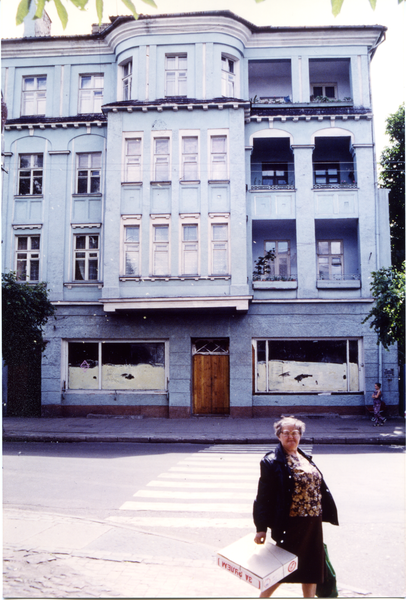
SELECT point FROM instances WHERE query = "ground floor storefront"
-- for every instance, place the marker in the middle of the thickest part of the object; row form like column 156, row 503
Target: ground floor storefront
column 277, row 358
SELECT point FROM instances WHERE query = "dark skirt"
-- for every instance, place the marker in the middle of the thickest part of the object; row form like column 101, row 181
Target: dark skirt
column 304, row 537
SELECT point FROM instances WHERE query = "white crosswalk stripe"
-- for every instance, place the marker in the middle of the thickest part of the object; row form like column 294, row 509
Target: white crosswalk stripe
column 213, row 488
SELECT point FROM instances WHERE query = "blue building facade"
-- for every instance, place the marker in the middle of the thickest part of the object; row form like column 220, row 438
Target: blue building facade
column 200, row 195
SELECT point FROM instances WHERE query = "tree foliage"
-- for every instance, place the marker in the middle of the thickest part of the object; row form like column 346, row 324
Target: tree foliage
column 392, row 176
column 25, row 5
column 24, row 8
column 388, row 312
column 26, row 308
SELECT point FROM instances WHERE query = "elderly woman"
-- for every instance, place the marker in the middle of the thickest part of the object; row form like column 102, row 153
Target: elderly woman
column 292, row 501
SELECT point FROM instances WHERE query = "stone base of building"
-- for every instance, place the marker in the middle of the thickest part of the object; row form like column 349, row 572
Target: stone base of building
column 56, row 410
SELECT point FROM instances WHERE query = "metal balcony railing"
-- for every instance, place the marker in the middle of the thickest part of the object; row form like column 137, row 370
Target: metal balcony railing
column 339, row 277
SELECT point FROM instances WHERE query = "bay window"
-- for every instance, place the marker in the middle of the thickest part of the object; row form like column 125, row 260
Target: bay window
column 176, row 75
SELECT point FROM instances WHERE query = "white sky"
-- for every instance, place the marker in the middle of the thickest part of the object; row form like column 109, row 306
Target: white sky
column 388, row 67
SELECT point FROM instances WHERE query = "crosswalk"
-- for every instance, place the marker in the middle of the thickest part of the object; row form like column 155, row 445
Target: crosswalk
column 215, row 487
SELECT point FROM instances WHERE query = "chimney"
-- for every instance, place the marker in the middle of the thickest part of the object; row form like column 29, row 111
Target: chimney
column 36, row 27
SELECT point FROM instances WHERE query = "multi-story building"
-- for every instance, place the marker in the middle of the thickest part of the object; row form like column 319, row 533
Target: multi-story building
column 200, row 195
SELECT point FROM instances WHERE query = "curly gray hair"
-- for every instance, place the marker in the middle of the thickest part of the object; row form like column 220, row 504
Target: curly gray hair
column 278, row 426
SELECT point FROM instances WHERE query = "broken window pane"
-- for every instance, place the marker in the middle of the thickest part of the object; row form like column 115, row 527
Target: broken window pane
column 307, row 366
column 83, row 366
column 133, row 366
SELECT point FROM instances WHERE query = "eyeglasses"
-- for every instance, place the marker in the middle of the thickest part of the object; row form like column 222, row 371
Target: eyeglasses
column 286, row 432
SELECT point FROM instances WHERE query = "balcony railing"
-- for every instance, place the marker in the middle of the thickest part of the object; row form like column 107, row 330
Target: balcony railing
column 335, row 186
column 271, row 187
column 338, row 277
column 274, row 278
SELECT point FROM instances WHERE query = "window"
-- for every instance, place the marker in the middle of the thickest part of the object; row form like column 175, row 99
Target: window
column 132, row 250
column 160, row 250
column 190, row 249
column 34, row 95
column 133, row 159
column 326, row 90
column 227, row 77
column 30, row 174
column 27, row 257
column 218, row 157
column 326, row 174
column 280, row 266
column 89, row 173
column 274, row 174
column 330, row 259
column 176, row 75
column 161, row 159
column 219, row 248
column 310, row 365
column 190, row 158
column 116, row 365
column 91, row 93
column 86, row 257
column 127, row 72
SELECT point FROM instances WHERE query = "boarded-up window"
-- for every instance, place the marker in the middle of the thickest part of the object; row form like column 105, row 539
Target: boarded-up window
column 121, row 366
column 307, row 366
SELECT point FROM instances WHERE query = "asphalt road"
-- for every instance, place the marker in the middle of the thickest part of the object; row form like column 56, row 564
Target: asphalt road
column 188, row 501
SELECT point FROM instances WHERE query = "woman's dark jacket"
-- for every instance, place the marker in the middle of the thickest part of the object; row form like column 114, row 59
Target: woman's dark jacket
column 274, row 498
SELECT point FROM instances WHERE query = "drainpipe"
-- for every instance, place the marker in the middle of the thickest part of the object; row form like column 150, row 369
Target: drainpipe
column 371, row 53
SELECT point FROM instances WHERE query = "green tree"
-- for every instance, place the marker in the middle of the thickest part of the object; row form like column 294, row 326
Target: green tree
column 25, row 5
column 26, row 308
column 388, row 311
column 392, row 176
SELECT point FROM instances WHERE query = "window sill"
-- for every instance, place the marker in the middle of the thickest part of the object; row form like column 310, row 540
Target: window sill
column 128, row 183
column 289, row 393
column 28, row 196
column 161, row 183
column 189, row 181
column 217, row 181
column 73, row 284
column 274, row 285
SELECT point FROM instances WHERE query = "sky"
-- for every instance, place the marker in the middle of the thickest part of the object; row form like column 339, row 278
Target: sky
column 388, row 67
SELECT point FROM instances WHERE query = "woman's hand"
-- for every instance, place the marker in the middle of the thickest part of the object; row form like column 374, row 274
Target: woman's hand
column 260, row 537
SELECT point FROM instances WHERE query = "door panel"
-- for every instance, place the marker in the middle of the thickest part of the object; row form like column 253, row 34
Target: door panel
column 211, row 393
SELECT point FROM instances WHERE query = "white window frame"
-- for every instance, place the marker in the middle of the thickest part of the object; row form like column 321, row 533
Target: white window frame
column 126, row 79
column 228, row 76
column 188, row 158
column 91, row 172
column 275, row 265
column 31, row 255
column 93, row 95
column 179, row 75
column 159, row 247
column 334, row 260
column 99, row 342
column 89, row 255
column 35, row 173
column 219, row 245
column 130, row 246
column 36, row 97
column 160, row 158
column 361, row 383
column 191, row 247
column 132, row 160
column 218, row 157
column 324, row 86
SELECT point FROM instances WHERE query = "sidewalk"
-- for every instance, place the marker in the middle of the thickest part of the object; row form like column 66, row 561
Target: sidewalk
column 330, row 429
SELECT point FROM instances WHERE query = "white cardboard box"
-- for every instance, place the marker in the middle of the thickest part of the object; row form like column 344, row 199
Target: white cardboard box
column 261, row 565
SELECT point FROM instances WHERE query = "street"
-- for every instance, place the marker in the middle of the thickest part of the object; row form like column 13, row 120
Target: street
column 145, row 520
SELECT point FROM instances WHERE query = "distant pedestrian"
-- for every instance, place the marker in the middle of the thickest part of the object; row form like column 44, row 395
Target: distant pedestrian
column 377, row 398
column 293, row 500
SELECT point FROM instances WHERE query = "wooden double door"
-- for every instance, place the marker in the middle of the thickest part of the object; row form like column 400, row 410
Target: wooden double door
column 211, row 377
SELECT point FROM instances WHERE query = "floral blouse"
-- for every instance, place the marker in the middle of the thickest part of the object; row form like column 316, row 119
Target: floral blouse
column 306, row 498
